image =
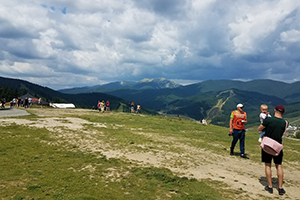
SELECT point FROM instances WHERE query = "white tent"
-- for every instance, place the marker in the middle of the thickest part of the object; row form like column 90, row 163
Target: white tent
column 62, row 105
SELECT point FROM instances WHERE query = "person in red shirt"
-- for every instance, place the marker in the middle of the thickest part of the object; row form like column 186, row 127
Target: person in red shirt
column 238, row 119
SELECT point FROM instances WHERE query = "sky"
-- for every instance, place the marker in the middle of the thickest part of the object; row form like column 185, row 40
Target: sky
column 75, row 43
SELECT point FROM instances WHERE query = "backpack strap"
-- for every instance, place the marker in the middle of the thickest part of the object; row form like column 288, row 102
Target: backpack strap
column 286, row 125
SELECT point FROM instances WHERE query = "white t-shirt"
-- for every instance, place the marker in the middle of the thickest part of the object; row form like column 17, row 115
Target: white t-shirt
column 263, row 116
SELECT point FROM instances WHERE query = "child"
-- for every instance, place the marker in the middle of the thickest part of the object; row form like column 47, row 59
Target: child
column 263, row 115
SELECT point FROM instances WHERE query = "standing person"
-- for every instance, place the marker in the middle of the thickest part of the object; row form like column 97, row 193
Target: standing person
column 238, row 119
column 132, row 107
column 275, row 127
column 26, row 103
column 102, row 106
column 138, row 109
column 19, row 101
column 29, row 101
column 40, row 103
column 99, row 106
column 263, row 115
column 107, row 107
column 14, row 102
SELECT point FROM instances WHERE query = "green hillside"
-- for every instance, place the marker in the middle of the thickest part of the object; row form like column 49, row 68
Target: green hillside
column 210, row 100
column 290, row 92
column 12, row 88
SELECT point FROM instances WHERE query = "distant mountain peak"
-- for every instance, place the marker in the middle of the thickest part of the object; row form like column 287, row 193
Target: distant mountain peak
column 157, row 83
column 147, row 80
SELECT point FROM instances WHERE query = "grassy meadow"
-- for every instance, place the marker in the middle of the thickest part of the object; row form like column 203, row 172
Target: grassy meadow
column 65, row 162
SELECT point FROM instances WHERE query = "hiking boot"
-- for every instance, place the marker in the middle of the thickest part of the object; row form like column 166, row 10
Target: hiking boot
column 270, row 190
column 281, row 191
column 231, row 151
column 244, row 156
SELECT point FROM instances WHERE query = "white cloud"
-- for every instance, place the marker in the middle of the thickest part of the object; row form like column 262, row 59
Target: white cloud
column 93, row 41
column 290, row 36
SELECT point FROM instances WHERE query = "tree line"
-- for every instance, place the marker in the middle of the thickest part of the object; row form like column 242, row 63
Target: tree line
column 10, row 92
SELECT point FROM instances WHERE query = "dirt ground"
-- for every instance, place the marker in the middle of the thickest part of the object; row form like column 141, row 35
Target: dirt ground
column 243, row 175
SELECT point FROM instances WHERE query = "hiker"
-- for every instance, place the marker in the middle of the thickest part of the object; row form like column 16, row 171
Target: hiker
column 275, row 127
column 238, row 119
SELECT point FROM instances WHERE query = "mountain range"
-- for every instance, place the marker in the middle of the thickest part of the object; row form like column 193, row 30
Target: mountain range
column 212, row 100
column 145, row 84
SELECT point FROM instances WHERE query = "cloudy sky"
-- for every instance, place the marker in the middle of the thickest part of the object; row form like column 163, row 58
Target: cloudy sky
column 73, row 43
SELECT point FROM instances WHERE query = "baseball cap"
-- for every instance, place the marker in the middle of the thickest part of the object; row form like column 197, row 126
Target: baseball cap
column 240, row 105
column 280, row 108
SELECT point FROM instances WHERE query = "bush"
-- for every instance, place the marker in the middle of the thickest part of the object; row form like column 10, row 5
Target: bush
column 298, row 134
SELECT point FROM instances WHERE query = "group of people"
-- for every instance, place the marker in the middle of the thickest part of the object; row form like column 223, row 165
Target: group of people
column 272, row 127
column 138, row 108
column 18, row 102
column 102, row 106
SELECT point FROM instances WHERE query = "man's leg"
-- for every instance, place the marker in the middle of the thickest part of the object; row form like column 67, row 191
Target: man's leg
column 279, row 175
column 268, row 174
column 235, row 136
column 242, row 142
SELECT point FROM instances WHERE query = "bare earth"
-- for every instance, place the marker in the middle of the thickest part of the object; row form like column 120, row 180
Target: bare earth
column 243, row 175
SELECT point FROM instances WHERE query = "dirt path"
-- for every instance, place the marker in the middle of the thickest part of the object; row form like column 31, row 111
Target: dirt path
column 245, row 176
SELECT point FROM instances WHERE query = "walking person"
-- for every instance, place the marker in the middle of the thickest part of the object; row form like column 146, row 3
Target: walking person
column 274, row 128
column 238, row 119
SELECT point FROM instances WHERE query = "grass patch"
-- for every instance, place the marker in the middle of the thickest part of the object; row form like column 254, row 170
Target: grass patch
column 31, row 169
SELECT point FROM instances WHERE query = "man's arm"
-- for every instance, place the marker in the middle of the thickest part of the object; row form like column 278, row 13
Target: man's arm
column 245, row 121
column 260, row 128
column 230, row 125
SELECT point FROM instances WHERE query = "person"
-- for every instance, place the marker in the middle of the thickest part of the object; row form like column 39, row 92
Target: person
column 238, row 119
column 3, row 101
column 132, row 107
column 138, row 108
column 19, row 101
column 275, row 127
column 26, row 103
column 40, row 103
column 14, row 102
column 29, row 101
column 263, row 115
column 99, row 106
column 107, row 106
column 102, row 106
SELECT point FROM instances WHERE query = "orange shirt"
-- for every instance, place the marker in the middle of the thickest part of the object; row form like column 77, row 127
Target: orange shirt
column 237, row 119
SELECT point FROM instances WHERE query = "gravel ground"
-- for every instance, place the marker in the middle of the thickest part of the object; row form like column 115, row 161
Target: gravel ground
column 12, row 112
